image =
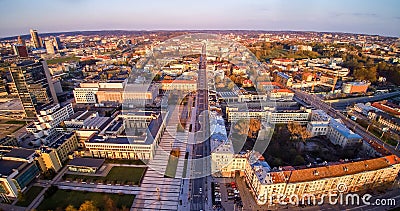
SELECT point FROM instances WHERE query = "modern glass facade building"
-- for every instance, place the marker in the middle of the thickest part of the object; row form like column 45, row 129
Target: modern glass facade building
column 36, row 39
column 32, row 82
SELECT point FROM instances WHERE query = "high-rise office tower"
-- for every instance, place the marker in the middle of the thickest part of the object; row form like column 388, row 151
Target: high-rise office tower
column 20, row 41
column 36, row 39
column 49, row 46
column 33, row 83
column 57, row 43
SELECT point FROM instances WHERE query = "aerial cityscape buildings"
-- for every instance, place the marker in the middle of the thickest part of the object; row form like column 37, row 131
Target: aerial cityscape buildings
column 199, row 119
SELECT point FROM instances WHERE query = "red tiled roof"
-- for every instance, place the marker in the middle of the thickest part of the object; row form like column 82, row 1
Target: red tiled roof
column 282, row 90
column 311, row 174
column 386, row 108
column 178, row 81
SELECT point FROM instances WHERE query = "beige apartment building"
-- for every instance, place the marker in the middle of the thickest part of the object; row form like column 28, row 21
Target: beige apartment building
column 355, row 176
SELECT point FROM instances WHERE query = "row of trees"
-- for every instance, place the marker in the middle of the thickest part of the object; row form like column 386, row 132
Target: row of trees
column 361, row 66
column 248, row 127
column 109, row 205
column 298, row 132
column 267, row 50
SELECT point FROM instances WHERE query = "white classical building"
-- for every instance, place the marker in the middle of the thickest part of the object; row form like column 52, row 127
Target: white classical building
column 323, row 124
column 139, row 141
column 224, row 161
column 86, row 95
column 318, row 128
column 268, row 114
column 339, row 134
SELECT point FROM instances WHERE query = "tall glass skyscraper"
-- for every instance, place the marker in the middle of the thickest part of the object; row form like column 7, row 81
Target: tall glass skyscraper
column 36, row 39
column 33, row 82
column 57, row 43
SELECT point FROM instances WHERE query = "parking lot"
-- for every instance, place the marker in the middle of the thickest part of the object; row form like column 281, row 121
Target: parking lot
column 226, row 195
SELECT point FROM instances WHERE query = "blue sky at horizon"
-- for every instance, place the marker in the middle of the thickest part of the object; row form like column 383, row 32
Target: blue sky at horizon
column 356, row 16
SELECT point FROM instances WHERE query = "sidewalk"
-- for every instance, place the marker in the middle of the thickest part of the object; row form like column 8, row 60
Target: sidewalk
column 157, row 190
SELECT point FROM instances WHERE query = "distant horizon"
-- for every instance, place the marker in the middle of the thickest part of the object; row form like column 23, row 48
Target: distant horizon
column 187, row 30
column 347, row 16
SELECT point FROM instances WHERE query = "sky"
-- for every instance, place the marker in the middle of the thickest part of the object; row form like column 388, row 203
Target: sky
column 355, row 16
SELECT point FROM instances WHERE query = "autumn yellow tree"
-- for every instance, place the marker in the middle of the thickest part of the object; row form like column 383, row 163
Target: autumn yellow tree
column 88, row 206
column 298, row 132
column 109, row 204
column 70, row 208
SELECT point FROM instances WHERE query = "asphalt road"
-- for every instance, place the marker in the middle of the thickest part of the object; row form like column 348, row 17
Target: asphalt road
column 201, row 150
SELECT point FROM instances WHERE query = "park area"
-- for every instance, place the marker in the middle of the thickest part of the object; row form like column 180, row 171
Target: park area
column 27, row 197
column 118, row 175
column 62, row 59
column 284, row 150
column 103, row 201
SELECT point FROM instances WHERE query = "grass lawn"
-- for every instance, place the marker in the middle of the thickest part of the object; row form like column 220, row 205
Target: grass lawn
column 62, row 59
column 172, row 164
column 62, row 198
column 29, row 196
column 171, row 167
column 117, row 175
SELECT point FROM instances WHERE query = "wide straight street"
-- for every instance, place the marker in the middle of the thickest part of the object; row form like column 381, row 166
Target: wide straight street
column 200, row 174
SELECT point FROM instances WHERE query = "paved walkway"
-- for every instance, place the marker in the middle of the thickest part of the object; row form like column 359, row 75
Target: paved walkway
column 35, row 203
column 106, row 170
column 10, row 207
column 186, row 182
column 158, row 192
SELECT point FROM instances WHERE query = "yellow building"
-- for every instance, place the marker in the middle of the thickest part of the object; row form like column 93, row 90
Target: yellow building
column 49, row 160
column 54, row 155
column 112, row 95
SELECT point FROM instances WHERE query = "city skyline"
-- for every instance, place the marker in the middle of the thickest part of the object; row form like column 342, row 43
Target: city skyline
column 366, row 17
column 199, row 105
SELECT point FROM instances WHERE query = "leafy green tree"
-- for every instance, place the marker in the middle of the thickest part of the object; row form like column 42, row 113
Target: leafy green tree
column 368, row 74
column 298, row 160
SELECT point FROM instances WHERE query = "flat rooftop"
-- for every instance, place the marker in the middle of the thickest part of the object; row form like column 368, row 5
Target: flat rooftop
column 7, row 166
column 11, row 105
column 145, row 138
column 86, row 162
column 20, row 153
column 60, row 140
